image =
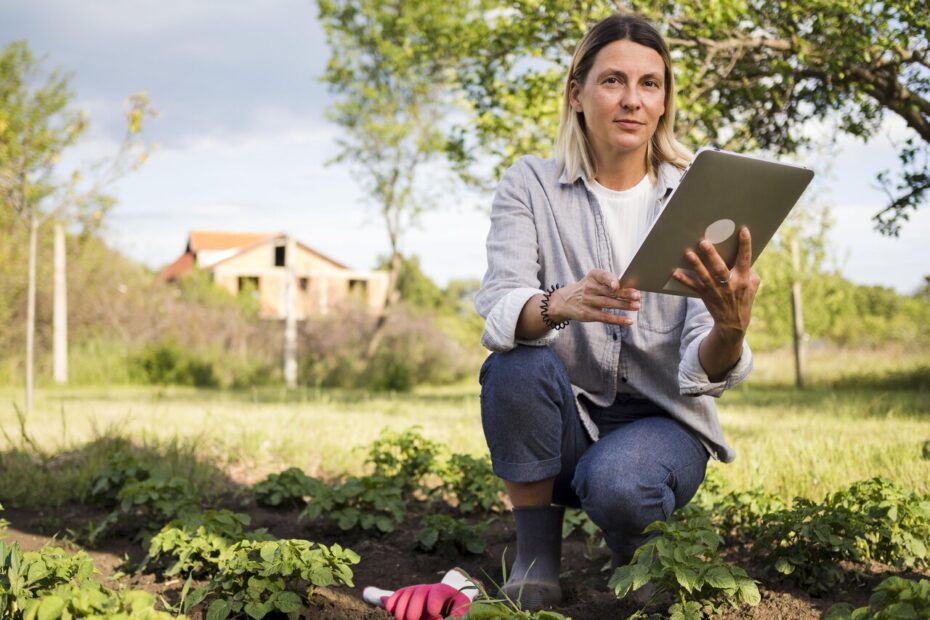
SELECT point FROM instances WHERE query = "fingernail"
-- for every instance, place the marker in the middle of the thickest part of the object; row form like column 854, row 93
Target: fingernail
column 744, row 232
column 705, row 244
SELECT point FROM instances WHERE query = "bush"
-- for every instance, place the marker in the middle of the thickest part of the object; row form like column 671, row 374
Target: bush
column 291, row 487
column 166, row 363
column 413, row 351
column 892, row 599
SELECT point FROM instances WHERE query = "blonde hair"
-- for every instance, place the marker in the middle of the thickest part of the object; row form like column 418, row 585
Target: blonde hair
column 573, row 149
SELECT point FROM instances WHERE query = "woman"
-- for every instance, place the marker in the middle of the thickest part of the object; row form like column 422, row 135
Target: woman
column 614, row 413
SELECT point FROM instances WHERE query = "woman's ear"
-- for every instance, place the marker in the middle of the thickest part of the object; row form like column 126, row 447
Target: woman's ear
column 574, row 90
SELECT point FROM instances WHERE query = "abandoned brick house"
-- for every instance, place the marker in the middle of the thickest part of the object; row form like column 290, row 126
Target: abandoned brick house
column 260, row 264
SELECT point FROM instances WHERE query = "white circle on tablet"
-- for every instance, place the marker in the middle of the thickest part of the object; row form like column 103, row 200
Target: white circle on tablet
column 720, row 231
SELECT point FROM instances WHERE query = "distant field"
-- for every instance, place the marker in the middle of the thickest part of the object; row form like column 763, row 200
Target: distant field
column 866, row 414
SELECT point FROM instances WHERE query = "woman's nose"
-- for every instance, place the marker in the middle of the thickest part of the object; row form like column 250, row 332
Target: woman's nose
column 630, row 99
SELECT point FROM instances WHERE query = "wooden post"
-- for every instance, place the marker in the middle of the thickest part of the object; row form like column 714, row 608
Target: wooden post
column 31, row 310
column 290, row 320
column 800, row 353
column 60, row 326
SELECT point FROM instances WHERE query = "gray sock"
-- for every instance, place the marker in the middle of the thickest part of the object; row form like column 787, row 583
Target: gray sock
column 534, row 577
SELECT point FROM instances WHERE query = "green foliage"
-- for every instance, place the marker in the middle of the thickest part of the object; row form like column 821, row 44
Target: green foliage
column 144, row 506
column 259, row 578
column 807, row 542
column 120, row 468
column 51, row 583
column 682, row 560
column 405, row 457
column 577, row 520
column 196, row 542
column 367, row 502
column 893, row 599
column 482, row 609
column 167, row 363
column 897, row 521
column 290, row 488
column 446, row 534
column 413, row 351
column 470, row 483
column 872, row 519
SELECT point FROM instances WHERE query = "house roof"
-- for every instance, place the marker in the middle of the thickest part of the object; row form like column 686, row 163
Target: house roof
column 218, row 240
column 178, row 268
column 268, row 238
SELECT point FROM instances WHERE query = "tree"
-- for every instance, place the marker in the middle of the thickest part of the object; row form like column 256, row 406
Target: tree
column 392, row 92
column 752, row 74
column 37, row 124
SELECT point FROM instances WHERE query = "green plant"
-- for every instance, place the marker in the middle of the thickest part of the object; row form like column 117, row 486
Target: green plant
column 893, row 599
column 106, row 483
column 682, row 560
column 168, row 363
column 499, row 610
column 197, row 541
column 406, row 457
column 290, row 487
column 259, row 578
column 576, row 520
column 807, row 542
column 471, row 483
column 367, row 502
column 897, row 522
column 443, row 533
column 146, row 505
column 51, row 583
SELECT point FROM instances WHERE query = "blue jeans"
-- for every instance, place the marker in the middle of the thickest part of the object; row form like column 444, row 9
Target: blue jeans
column 644, row 466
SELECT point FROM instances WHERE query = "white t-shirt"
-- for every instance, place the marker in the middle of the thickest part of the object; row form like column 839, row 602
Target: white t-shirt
column 626, row 216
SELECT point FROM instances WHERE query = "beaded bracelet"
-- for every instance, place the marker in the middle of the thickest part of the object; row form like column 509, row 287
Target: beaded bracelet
column 544, row 309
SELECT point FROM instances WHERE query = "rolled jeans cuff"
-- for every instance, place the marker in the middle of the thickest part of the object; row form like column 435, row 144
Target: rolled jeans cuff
column 533, row 471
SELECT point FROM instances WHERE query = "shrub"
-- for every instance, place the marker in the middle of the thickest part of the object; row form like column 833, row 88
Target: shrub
column 167, row 363
column 682, row 560
column 892, row 599
column 196, row 542
column 367, row 502
column 405, row 457
column 290, row 487
column 445, row 534
column 259, row 578
column 51, row 583
column 145, row 506
column 471, row 483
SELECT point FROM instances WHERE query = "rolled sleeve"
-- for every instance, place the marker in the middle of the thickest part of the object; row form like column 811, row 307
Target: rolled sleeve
column 693, row 380
column 501, row 323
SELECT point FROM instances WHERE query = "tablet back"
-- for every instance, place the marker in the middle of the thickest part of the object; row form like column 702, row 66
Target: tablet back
column 720, row 192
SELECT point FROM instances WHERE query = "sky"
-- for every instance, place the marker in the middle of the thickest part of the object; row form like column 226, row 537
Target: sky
column 242, row 141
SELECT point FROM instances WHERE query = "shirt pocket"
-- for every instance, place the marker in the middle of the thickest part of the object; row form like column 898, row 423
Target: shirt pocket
column 662, row 313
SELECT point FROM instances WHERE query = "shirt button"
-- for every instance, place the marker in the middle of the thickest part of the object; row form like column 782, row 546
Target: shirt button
column 615, row 335
column 623, row 379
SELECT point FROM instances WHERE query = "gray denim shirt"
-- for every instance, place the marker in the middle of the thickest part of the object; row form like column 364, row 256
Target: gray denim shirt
column 548, row 229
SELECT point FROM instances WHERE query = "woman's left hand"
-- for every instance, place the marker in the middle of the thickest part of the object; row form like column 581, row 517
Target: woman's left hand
column 727, row 293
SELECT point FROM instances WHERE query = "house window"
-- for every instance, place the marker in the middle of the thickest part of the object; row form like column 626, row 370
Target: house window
column 358, row 288
column 279, row 255
column 248, row 285
column 304, row 284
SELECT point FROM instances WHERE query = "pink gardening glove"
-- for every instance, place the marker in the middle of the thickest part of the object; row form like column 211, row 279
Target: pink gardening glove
column 433, row 601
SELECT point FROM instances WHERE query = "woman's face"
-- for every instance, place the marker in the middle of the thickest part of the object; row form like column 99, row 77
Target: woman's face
column 622, row 98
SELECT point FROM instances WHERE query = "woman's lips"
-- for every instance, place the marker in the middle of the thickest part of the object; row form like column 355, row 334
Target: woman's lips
column 629, row 124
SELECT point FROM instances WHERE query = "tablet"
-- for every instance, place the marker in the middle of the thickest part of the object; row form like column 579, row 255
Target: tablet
column 718, row 193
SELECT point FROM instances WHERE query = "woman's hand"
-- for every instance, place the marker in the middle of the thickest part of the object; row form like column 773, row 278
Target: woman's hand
column 587, row 299
column 728, row 295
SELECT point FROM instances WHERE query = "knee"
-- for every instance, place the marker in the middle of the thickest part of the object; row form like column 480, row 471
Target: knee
column 622, row 502
column 523, row 374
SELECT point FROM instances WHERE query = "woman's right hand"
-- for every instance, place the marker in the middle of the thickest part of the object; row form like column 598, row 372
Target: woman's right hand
column 587, row 299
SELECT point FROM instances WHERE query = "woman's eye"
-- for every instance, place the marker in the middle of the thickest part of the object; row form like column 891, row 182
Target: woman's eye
column 612, row 80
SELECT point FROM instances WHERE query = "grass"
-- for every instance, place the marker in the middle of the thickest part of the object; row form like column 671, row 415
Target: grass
column 866, row 413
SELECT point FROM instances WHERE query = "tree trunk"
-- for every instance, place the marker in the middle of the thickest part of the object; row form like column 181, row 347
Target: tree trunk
column 60, row 340
column 797, row 313
column 391, row 298
column 31, row 311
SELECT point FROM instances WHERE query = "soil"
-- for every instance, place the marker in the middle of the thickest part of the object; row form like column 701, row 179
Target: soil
column 391, row 561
